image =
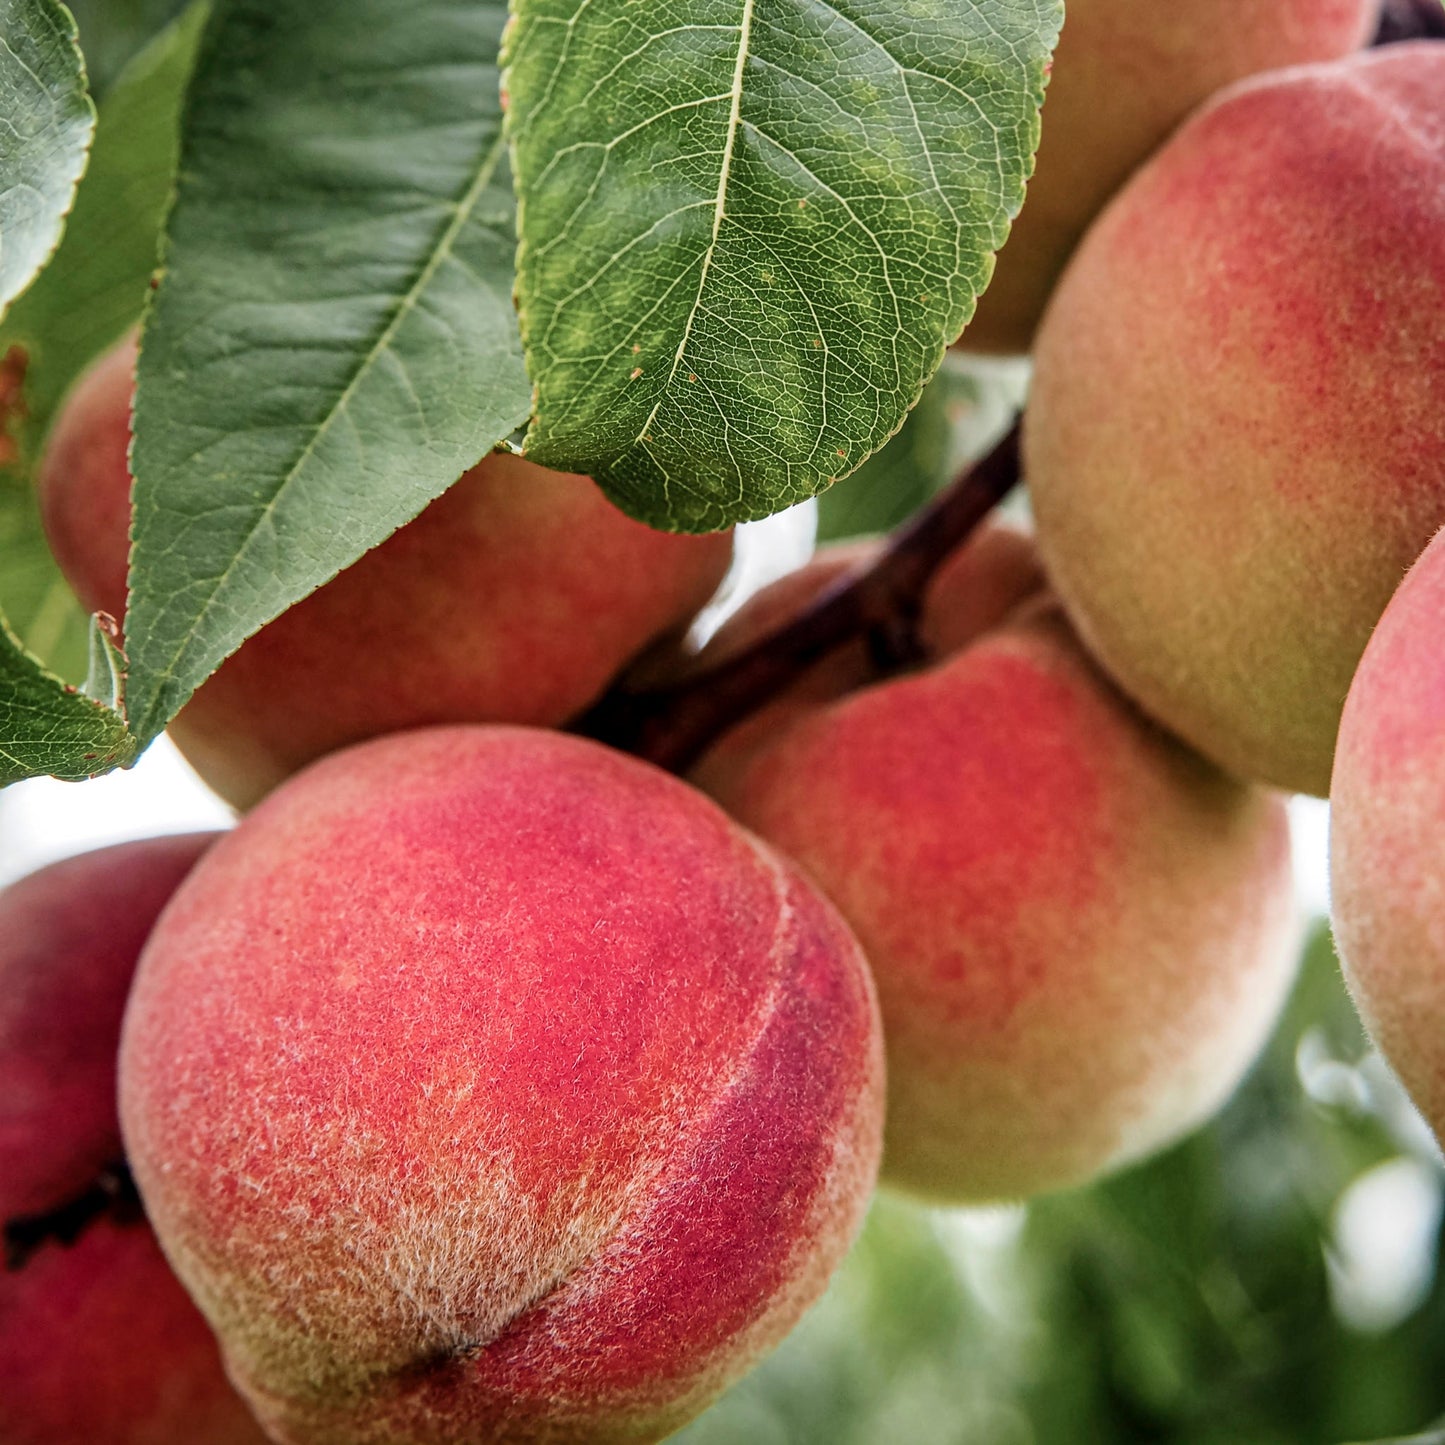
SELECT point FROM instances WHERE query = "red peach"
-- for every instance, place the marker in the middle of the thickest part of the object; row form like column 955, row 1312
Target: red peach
column 1081, row 933
column 1387, row 814
column 487, row 1085
column 1234, row 443
column 98, row 1341
column 515, row 597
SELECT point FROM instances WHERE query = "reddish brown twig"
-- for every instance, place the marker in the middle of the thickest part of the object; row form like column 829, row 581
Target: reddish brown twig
column 672, row 727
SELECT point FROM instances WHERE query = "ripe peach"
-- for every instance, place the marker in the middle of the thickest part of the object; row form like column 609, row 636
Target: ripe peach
column 1080, row 932
column 1125, row 73
column 489, row 1085
column 1386, row 817
column 515, row 597
column 98, row 1341
column 1234, row 444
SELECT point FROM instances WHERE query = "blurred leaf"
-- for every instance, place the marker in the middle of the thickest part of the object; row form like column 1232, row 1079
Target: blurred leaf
column 333, row 341
column 49, row 122
column 748, row 232
column 1434, row 1437
column 92, row 292
column 39, row 607
column 112, row 31
column 46, row 727
column 95, row 288
column 898, row 1349
column 893, row 483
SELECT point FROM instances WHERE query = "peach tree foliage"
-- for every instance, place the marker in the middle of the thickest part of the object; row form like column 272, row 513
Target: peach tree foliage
column 44, row 147
column 92, row 291
column 748, row 229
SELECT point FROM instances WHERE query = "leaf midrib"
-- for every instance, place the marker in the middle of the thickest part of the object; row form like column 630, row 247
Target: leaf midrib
column 745, row 30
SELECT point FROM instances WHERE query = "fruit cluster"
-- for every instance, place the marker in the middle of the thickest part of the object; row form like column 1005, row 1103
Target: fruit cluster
column 488, row 1084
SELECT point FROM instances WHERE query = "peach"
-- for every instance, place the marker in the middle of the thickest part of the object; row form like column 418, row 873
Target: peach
column 487, row 1085
column 1080, row 932
column 515, row 597
column 1125, row 73
column 1387, row 819
column 1234, row 444
column 98, row 1341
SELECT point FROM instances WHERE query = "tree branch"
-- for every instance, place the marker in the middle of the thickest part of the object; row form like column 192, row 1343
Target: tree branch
column 674, row 726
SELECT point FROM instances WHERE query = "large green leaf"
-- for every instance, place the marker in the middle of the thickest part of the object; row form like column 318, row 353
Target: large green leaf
column 92, row 291
column 47, row 727
column 333, row 341
column 749, row 228
column 45, row 139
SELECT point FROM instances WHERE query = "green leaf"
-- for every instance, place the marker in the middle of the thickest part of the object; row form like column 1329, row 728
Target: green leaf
column 35, row 600
column 749, row 228
column 44, row 146
column 96, row 287
column 46, row 727
column 45, row 140
column 90, row 294
column 333, row 341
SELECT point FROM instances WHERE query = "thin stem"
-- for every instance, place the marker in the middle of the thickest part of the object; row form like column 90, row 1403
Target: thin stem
column 674, row 726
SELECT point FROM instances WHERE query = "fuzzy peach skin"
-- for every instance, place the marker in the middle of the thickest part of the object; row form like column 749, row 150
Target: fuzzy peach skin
column 98, row 1341
column 490, row 1087
column 1125, row 73
column 515, row 597
column 1081, row 933
column 1387, row 822
column 1235, row 444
